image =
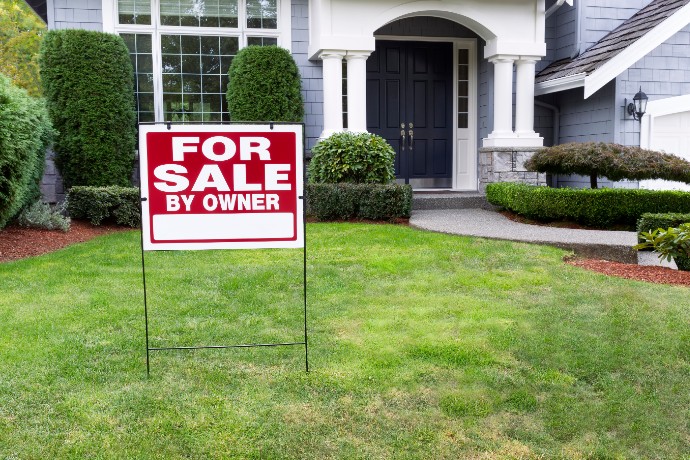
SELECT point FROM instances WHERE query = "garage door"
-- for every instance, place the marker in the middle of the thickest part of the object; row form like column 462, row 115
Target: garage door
column 670, row 133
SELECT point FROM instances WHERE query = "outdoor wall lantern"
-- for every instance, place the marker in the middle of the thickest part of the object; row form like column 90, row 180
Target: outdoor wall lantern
column 638, row 106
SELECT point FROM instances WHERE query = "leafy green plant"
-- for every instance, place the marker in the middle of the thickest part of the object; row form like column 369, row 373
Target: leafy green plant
column 25, row 132
column 41, row 215
column 358, row 201
column 649, row 221
column 360, row 158
column 88, row 84
column 264, row 85
column 614, row 161
column 671, row 244
column 600, row 208
column 121, row 204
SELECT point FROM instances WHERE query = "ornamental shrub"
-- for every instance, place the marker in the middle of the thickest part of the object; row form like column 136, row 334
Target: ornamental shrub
column 97, row 204
column 264, row 85
column 671, row 244
column 41, row 215
column 360, row 158
column 359, row 201
column 649, row 221
column 598, row 159
column 88, row 83
column 601, row 208
column 25, row 133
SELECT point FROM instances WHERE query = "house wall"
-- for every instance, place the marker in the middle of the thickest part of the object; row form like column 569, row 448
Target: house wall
column 311, row 71
column 663, row 73
column 75, row 14
column 560, row 31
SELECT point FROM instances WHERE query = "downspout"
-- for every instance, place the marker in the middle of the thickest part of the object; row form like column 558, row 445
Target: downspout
column 552, row 180
column 578, row 30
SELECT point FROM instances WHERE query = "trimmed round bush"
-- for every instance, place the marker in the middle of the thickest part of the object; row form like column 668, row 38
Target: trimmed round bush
column 264, row 85
column 25, row 133
column 360, row 158
column 88, row 84
column 614, row 161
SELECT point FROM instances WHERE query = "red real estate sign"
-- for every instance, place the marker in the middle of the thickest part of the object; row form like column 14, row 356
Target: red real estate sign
column 221, row 186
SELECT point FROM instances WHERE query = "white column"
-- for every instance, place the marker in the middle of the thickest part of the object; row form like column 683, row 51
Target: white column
column 524, row 98
column 503, row 98
column 332, row 91
column 357, row 90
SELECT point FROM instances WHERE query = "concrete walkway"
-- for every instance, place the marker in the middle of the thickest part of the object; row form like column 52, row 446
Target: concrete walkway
column 600, row 244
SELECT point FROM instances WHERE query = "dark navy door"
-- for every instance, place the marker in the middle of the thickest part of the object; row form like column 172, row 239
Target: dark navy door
column 410, row 104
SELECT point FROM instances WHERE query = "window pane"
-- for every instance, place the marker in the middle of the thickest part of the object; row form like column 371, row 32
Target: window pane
column 139, row 46
column 199, row 13
column 262, row 14
column 134, row 11
column 262, row 41
column 195, row 79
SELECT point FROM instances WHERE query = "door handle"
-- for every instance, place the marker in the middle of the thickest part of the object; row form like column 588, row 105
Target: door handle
column 402, row 135
column 411, row 134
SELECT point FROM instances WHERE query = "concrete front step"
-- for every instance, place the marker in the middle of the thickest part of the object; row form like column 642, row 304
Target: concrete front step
column 423, row 200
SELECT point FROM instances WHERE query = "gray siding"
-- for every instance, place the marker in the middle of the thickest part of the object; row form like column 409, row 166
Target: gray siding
column 560, row 30
column 76, row 14
column 587, row 120
column 602, row 16
column 663, row 73
column 311, row 71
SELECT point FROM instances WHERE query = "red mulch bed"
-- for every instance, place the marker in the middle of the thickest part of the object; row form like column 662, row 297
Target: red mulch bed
column 19, row 242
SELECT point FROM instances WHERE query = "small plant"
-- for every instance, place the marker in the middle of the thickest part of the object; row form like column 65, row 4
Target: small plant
column 98, row 204
column 359, row 158
column 41, row 215
column 671, row 244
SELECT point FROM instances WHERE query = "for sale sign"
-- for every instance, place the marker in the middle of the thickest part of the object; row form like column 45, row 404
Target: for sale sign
column 221, row 186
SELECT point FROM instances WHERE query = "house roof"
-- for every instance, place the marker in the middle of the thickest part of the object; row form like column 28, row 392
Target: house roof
column 39, row 6
column 634, row 38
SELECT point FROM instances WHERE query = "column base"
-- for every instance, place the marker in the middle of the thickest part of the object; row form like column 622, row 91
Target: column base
column 507, row 164
column 522, row 141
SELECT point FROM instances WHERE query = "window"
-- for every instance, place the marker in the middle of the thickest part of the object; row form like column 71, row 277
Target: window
column 181, row 50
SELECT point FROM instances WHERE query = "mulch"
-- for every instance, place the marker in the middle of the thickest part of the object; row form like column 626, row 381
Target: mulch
column 20, row 242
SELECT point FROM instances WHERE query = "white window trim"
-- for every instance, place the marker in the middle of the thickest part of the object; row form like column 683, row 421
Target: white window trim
column 283, row 33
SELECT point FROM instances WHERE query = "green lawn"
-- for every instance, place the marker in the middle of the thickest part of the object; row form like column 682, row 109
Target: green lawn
column 421, row 346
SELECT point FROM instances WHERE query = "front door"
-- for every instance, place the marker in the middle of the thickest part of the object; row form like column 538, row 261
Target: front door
column 410, row 104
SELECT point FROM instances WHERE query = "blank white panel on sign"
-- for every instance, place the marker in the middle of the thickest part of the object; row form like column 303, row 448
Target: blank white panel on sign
column 204, row 227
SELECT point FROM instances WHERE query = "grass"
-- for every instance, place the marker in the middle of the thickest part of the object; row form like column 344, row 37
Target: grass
column 421, row 346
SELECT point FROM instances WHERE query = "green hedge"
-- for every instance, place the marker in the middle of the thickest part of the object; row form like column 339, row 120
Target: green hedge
column 358, row 201
column 25, row 133
column 264, row 85
column 593, row 207
column 97, row 204
column 88, row 84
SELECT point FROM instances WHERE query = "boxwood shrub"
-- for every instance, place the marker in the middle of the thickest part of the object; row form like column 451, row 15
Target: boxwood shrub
column 360, row 158
column 88, row 84
column 25, row 133
column 600, row 208
column 98, row 204
column 358, row 201
column 264, row 85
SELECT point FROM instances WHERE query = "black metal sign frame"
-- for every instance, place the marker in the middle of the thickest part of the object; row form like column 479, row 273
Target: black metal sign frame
column 304, row 343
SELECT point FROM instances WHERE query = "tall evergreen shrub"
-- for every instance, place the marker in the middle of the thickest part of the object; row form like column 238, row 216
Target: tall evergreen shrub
column 88, row 83
column 264, row 85
column 25, row 133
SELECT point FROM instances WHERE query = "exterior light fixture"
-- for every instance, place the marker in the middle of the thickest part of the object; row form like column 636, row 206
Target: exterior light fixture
column 638, row 106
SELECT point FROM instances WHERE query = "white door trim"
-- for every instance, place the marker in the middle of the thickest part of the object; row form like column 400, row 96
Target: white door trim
column 471, row 45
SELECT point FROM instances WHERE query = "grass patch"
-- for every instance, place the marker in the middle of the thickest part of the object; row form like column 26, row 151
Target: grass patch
column 422, row 346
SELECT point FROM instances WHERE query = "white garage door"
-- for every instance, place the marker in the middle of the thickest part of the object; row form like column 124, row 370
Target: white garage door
column 670, row 133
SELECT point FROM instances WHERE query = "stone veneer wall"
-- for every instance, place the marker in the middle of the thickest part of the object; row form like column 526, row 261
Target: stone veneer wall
column 507, row 164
